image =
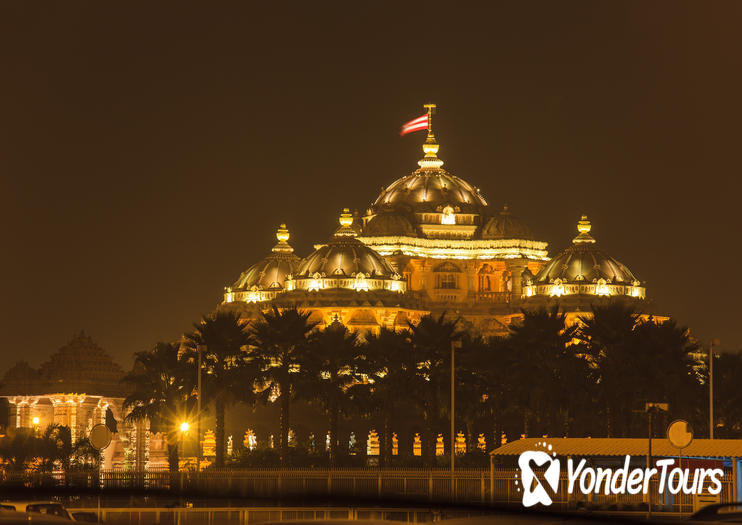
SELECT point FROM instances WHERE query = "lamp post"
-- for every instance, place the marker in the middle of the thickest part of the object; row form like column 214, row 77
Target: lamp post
column 200, row 349
column 454, row 345
column 712, row 343
column 184, row 426
column 651, row 409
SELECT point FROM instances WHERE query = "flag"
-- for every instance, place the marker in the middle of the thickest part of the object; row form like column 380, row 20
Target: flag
column 417, row 124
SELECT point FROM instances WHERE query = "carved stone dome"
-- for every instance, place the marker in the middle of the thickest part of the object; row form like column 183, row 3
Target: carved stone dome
column 389, row 224
column 430, row 187
column 506, row 226
column 345, row 256
column 584, row 261
column 583, row 270
column 79, row 367
column 271, row 272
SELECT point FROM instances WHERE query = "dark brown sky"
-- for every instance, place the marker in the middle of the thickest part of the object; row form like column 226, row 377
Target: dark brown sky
column 148, row 152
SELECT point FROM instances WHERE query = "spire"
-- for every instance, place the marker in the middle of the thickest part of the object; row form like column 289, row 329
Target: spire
column 346, row 223
column 430, row 148
column 282, row 234
column 584, row 227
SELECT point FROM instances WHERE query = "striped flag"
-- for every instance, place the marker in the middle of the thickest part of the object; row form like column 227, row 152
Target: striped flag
column 417, row 124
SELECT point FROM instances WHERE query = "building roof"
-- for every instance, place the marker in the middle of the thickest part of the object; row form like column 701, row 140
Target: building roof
column 429, row 187
column 271, row 272
column 505, row 226
column 622, row 447
column 345, row 256
column 584, row 262
column 81, row 367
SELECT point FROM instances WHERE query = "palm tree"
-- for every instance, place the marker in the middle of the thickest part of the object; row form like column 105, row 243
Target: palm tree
column 18, row 448
column 384, row 368
column 328, row 373
column 728, row 395
column 640, row 361
column 431, row 343
column 549, row 374
column 230, row 374
column 162, row 386
column 608, row 335
column 280, row 341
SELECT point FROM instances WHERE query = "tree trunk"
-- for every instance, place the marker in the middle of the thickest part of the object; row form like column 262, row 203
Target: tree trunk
column 283, row 439
column 333, row 434
column 219, row 410
column 172, row 457
column 386, row 447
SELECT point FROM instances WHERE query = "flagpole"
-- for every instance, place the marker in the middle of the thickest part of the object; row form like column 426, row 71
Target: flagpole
column 430, row 108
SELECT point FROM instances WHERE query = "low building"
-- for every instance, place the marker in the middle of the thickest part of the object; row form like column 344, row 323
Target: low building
column 75, row 387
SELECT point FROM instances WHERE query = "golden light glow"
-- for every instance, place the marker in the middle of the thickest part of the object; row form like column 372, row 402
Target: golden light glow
column 36, row 420
column 360, row 284
column 184, row 426
column 583, row 225
column 282, row 234
column 448, row 217
column 458, row 248
column 346, row 218
column 557, row 290
column 601, row 288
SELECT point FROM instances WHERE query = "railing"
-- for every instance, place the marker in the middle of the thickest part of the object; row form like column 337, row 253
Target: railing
column 245, row 515
column 494, row 297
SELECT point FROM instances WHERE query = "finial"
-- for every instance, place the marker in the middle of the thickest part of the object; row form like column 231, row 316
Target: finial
column 346, row 218
column 346, row 222
column 505, row 210
column 430, row 147
column 282, row 234
column 584, row 227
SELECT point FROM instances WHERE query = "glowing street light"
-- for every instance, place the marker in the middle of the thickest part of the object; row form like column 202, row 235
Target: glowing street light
column 36, row 420
column 184, row 426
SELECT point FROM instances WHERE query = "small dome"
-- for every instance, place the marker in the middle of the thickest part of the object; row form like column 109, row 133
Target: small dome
column 505, row 226
column 389, row 224
column 584, row 262
column 345, row 256
column 271, row 272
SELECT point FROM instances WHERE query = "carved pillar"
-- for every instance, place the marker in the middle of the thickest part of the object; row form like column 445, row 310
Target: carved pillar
column 516, row 267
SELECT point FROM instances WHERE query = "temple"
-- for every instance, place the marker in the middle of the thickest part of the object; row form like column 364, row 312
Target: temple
column 430, row 243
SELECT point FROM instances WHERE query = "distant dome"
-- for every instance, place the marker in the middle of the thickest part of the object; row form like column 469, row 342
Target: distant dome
column 505, row 226
column 22, row 379
column 345, row 256
column 82, row 367
column 585, row 269
column 389, row 224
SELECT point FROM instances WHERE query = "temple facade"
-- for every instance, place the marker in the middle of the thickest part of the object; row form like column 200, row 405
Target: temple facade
column 76, row 387
column 430, row 243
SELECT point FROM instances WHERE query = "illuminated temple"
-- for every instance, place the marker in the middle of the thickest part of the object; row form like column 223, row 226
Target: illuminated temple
column 430, row 243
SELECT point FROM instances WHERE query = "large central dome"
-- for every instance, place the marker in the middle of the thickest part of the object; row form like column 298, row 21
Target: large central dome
column 425, row 190
column 429, row 188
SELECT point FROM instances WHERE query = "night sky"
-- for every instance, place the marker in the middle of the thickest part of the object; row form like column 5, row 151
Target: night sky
column 149, row 151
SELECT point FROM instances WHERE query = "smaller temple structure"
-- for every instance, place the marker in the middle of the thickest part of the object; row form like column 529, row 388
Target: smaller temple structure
column 75, row 387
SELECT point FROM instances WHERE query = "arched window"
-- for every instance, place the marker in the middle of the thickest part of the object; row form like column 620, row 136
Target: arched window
column 447, row 276
column 448, row 216
column 485, row 278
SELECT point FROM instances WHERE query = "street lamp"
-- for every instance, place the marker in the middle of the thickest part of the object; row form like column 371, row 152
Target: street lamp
column 36, row 420
column 714, row 342
column 454, row 346
column 184, row 426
